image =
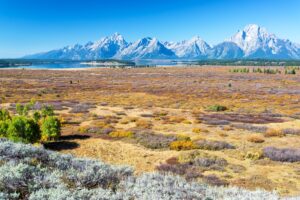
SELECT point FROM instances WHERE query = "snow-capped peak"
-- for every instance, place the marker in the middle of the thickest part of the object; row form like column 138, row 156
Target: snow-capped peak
column 195, row 47
column 253, row 38
column 254, row 29
column 108, row 46
column 196, row 38
column 117, row 37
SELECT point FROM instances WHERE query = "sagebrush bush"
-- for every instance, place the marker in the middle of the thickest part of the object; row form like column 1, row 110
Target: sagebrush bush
column 33, row 173
column 189, row 157
column 213, row 145
column 156, row 186
column 214, row 180
column 82, row 108
column 216, row 122
column 211, row 162
column 178, row 168
column 203, row 160
column 291, row 131
column 283, row 155
column 154, row 140
column 252, row 128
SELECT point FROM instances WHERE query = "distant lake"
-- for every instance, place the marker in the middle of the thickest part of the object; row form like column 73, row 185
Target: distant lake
column 54, row 66
column 80, row 65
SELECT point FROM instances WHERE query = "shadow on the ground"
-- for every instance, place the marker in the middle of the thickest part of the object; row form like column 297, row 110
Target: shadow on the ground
column 74, row 137
column 61, row 145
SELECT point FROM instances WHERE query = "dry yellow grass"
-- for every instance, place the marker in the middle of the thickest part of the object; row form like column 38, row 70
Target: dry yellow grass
column 274, row 133
column 255, row 139
column 146, row 124
column 121, row 153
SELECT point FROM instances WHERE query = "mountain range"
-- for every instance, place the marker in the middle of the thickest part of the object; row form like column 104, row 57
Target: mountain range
column 253, row 42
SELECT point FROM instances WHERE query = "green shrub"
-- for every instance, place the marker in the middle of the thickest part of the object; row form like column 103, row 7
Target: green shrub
column 29, row 128
column 36, row 116
column 23, row 109
column 47, row 111
column 22, row 129
column 4, row 115
column 3, row 128
column 217, row 108
column 50, row 128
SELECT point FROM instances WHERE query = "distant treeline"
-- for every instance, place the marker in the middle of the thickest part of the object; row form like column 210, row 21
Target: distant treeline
column 255, row 62
column 287, row 70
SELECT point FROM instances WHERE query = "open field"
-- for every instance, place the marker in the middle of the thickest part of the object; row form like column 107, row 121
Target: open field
column 205, row 123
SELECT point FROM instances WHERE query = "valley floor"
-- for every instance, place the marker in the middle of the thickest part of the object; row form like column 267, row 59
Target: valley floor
column 165, row 119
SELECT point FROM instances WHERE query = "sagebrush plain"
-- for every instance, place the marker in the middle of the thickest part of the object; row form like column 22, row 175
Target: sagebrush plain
column 209, row 124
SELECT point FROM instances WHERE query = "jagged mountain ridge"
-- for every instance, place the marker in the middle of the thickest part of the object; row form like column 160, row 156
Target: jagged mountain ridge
column 251, row 42
column 256, row 42
column 146, row 48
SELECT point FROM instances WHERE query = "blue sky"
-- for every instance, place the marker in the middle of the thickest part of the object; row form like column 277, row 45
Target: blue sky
column 30, row 26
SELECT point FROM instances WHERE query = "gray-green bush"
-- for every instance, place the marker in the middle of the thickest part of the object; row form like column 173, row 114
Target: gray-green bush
column 28, row 172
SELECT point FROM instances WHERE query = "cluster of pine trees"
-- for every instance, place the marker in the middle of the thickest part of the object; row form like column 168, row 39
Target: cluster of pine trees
column 287, row 70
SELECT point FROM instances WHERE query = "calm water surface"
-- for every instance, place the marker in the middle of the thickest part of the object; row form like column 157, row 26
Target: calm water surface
column 78, row 65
